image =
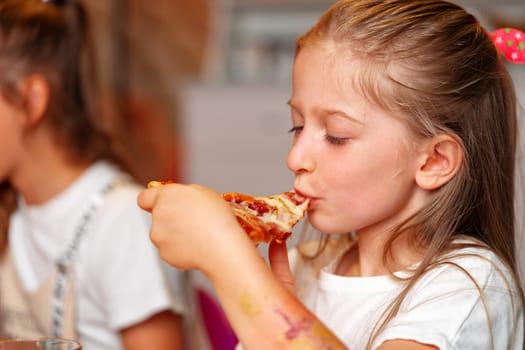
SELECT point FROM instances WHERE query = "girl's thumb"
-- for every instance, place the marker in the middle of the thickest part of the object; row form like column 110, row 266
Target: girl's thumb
column 278, row 256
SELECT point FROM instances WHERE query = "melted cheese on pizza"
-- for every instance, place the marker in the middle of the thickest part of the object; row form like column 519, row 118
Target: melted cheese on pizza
column 267, row 218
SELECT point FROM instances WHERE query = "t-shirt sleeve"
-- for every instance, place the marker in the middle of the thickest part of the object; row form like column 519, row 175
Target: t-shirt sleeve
column 463, row 307
column 130, row 279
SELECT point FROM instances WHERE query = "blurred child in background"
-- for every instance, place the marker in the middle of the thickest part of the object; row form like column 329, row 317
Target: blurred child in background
column 76, row 258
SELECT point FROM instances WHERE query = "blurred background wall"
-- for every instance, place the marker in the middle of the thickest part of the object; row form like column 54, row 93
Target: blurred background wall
column 146, row 50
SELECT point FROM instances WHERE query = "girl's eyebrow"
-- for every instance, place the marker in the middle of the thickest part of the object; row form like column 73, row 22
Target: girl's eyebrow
column 335, row 112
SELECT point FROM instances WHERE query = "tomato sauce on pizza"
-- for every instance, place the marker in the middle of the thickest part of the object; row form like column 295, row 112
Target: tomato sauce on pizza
column 267, row 218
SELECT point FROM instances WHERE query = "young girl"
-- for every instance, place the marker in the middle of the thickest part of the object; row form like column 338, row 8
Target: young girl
column 78, row 262
column 404, row 125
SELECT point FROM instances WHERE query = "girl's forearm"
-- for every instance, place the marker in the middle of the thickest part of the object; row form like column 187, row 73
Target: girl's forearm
column 262, row 312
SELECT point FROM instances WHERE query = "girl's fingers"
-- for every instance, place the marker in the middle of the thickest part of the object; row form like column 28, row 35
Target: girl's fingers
column 278, row 256
column 147, row 198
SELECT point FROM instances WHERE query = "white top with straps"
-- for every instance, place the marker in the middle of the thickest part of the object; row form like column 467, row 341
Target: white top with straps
column 120, row 279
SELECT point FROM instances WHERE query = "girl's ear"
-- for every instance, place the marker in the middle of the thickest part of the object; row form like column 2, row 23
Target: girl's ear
column 35, row 92
column 440, row 161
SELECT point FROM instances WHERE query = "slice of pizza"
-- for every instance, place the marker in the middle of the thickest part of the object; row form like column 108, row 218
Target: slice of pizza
column 267, row 218
column 263, row 218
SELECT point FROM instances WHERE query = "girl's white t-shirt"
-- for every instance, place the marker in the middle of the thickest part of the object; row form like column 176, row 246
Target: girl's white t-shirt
column 446, row 308
column 120, row 279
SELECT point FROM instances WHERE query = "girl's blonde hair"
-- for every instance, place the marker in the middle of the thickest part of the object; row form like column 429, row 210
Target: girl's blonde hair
column 432, row 64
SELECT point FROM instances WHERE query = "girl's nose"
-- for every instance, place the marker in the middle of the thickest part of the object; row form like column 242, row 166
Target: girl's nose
column 300, row 157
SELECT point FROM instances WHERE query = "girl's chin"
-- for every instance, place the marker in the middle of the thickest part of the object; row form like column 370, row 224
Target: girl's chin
column 324, row 226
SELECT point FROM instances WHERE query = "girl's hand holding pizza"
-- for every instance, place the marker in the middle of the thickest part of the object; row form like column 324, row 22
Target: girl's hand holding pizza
column 201, row 220
column 192, row 226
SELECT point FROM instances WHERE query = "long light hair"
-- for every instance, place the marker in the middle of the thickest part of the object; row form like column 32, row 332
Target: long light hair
column 434, row 66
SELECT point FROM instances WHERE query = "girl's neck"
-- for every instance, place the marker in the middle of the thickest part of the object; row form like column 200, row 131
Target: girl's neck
column 49, row 182
column 365, row 259
column 44, row 173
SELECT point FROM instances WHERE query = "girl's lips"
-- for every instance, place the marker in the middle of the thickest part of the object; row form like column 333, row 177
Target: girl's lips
column 300, row 193
column 311, row 199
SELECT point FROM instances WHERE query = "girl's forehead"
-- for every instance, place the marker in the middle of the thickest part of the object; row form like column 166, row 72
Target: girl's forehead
column 326, row 54
column 342, row 65
column 328, row 83
column 338, row 76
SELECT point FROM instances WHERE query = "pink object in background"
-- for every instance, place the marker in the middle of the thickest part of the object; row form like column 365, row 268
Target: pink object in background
column 220, row 333
column 510, row 43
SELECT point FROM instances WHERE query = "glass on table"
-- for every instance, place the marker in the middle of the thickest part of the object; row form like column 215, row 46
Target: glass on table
column 40, row 344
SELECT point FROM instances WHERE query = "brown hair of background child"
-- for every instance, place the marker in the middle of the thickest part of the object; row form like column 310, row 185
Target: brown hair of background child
column 52, row 38
column 435, row 67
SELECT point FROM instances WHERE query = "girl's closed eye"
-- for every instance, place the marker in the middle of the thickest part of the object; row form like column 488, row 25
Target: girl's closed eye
column 336, row 140
column 296, row 130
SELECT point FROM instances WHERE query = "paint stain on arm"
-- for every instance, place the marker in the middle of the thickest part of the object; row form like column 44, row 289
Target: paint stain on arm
column 302, row 333
column 250, row 305
column 307, row 333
